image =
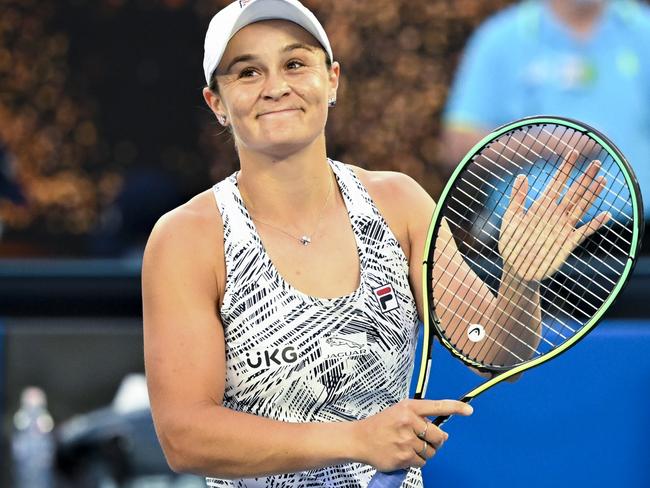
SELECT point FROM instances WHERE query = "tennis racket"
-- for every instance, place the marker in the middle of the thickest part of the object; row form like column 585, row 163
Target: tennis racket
column 544, row 214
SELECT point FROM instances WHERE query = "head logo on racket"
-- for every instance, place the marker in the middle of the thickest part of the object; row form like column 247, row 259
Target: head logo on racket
column 475, row 332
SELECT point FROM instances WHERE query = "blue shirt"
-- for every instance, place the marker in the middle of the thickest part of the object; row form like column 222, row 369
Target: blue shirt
column 524, row 61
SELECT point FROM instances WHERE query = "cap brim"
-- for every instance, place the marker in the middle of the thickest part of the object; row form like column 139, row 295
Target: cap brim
column 257, row 11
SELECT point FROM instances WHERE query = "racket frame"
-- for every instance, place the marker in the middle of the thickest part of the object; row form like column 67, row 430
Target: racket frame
column 432, row 323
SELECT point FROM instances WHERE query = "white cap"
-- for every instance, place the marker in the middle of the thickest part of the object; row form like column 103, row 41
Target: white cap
column 239, row 14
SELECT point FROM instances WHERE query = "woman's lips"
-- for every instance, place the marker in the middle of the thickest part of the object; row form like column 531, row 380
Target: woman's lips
column 280, row 112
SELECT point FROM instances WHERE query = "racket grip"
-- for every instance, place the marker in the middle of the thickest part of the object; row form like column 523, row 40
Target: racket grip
column 392, row 479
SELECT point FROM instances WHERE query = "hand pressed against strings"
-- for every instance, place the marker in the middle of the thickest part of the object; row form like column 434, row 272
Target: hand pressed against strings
column 534, row 243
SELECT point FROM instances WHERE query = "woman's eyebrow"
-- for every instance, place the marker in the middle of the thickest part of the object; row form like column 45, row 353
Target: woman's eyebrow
column 297, row 45
column 239, row 59
column 250, row 57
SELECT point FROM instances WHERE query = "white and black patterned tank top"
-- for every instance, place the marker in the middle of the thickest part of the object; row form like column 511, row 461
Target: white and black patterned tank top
column 297, row 358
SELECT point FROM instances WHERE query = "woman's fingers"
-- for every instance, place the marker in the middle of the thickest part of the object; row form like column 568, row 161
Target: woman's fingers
column 517, row 197
column 439, row 408
column 594, row 224
column 429, row 440
column 402, row 436
column 536, row 241
column 580, row 187
column 584, row 204
column 424, row 450
column 556, row 186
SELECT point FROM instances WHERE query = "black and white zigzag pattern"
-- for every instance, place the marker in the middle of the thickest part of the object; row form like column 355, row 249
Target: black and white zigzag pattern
column 297, row 358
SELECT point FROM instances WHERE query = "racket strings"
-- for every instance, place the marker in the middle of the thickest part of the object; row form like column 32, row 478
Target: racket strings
column 507, row 332
column 504, row 196
column 614, row 176
column 489, row 249
column 607, row 164
column 574, row 284
column 568, row 147
column 585, row 289
column 479, row 311
column 585, row 158
column 589, row 264
column 476, row 265
column 485, row 271
column 626, row 229
column 530, row 302
column 547, row 182
column 619, row 211
column 619, row 248
column 495, row 228
column 603, row 170
column 490, row 236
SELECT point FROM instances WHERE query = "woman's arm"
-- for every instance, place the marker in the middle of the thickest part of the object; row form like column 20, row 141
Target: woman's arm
column 533, row 242
column 453, row 278
column 185, row 364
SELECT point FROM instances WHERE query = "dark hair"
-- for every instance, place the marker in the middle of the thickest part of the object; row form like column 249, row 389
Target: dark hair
column 214, row 86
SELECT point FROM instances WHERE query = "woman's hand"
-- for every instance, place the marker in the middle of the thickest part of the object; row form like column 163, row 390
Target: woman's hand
column 534, row 243
column 402, row 436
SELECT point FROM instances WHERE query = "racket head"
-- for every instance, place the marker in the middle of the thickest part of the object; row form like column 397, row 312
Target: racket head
column 473, row 203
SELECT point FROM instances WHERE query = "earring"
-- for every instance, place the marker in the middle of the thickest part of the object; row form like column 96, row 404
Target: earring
column 331, row 102
column 222, row 119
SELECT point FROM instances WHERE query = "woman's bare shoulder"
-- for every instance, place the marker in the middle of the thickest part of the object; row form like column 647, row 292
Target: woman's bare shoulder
column 196, row 216
column 392, row 189
column 190, row 235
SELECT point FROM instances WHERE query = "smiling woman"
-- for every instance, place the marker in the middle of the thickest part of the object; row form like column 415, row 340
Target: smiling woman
column 281, row 306
column 273, row 95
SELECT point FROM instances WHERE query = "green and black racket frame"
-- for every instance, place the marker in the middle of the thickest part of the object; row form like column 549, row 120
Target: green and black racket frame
column 573, row 297
column 576, row 297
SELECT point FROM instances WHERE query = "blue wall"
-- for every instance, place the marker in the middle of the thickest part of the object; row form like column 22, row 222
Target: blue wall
column 583, row 419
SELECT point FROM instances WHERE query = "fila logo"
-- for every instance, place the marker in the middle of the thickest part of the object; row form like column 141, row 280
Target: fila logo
column 386, row 298
column 272, row 358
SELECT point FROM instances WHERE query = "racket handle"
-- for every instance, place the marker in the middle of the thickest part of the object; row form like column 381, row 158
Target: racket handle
column 392, row 479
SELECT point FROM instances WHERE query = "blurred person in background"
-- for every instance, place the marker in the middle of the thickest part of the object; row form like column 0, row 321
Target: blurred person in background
column 583, row 59
column 9, row 187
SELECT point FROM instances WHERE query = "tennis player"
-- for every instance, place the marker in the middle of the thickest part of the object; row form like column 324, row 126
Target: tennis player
column 281, row 306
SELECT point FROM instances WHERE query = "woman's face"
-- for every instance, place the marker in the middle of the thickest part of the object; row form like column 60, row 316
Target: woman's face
column 274, row 87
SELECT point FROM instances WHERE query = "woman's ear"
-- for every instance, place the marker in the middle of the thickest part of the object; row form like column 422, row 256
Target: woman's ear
column 334, row 73
column 214, row 102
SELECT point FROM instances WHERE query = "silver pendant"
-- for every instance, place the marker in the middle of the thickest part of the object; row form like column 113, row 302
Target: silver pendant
column 305, row 240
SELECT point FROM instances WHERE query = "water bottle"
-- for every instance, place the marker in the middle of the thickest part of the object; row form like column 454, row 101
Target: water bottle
column 32, row 443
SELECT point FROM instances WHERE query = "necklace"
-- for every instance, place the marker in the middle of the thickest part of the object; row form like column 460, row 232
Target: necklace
column 305, row 239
